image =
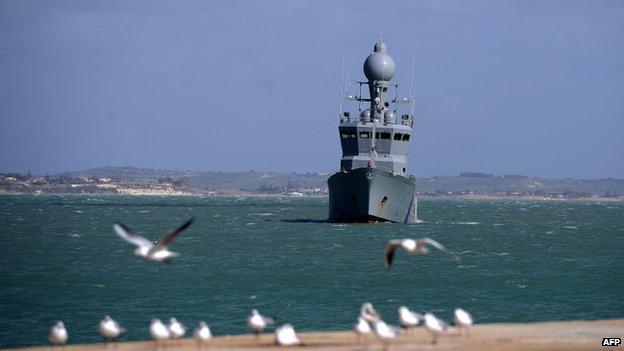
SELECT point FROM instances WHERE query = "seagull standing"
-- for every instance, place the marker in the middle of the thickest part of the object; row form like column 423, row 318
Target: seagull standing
column 435, row 326
column 462, row 320
column 369, row 313
column 417, row 246
column 385, row 332
column 258, row 322
column 110, row 329
column 176, row 328
column 286, row 336
column 157, row 251
column 409, row 319
column 159, row 331
column 202, row 333
column 58, row 334
column 361, row 328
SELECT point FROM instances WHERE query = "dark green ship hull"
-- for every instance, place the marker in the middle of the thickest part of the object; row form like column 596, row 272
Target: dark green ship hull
column 371, row 195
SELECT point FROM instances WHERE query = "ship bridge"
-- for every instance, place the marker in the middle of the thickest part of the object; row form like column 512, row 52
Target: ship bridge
column 375, row 137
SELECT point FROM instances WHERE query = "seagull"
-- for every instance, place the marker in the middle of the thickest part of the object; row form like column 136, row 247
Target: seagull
column 418, row 246
column 409, row 319
column 159, row 331
column 154, row 251
column 202, row 333
column 368, row 312
column 286, row 336
column 385, row 332
column 361, row 328
column 176, row 328
column 110, row 329
column 462, row 320
column 258, row 322
column 435, row 326
column 58, row 334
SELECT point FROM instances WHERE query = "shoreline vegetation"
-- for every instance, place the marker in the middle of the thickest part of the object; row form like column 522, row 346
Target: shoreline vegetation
column 149, row 182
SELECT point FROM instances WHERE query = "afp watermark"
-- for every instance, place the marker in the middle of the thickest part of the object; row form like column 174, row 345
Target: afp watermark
column 611, row 341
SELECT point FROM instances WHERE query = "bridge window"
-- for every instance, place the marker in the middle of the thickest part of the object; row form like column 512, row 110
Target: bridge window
column 382, row 135
column 406, row 137
column 398, row 136
column 365, row 135
column 348, row 133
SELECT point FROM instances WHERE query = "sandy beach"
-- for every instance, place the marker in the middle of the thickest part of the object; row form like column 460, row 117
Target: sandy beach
column 566, row 335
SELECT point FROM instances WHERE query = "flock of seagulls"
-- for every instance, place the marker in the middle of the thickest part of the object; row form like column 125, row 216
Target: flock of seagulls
column 369, row 320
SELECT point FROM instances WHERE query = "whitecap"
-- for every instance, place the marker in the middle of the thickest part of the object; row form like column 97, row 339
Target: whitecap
column 252, row 297
column 78, row 211
column 467, row 223
column 570, row 227
column 75, row 235
column 461, row 266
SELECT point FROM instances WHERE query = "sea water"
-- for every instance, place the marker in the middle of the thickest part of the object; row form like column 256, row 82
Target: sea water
column 521, row 261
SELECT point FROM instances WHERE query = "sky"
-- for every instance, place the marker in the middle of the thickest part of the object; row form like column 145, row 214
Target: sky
column 505, row 87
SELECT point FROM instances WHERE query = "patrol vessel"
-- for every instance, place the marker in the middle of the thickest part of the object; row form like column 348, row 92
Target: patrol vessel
column 372, row 184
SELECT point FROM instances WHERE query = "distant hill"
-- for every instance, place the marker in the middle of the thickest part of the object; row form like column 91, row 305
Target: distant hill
column 267, row 182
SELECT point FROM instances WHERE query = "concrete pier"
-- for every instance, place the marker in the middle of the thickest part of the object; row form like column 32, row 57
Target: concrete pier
column 566, row 335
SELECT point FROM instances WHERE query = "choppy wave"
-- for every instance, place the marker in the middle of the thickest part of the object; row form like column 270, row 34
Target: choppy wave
column 294, row 265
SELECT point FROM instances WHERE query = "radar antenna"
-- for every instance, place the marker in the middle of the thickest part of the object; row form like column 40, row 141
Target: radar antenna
column 342, row 89
column 412, row 94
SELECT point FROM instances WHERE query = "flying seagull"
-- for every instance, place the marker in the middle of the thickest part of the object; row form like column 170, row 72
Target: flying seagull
column 258, row 322
column 157, row 251
column 110, row 329
column 462, row 320
column 58, row 334
column 286, row 336
column 418, row 246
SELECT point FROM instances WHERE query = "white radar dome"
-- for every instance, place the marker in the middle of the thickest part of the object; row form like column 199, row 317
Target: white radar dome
column 379, row 65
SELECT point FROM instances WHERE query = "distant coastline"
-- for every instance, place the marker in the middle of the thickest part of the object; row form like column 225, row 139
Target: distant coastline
column 483, row 197
column 150, row 182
